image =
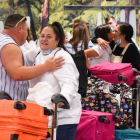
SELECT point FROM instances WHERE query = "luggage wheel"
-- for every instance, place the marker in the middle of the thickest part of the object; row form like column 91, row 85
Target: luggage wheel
column 14, row 137
column 122, row 78
column 134, row 71
column 103, row 119
column 19, row 105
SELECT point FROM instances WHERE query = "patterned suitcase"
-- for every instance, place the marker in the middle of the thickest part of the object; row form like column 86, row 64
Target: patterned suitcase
column 100, row 99
column 95, row 125
column 22, row 121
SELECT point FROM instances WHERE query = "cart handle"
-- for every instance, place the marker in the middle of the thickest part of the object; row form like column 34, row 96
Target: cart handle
column 57, row 98
column 137, row 80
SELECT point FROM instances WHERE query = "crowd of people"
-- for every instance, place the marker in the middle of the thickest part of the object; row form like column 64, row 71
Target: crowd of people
column 52, row 62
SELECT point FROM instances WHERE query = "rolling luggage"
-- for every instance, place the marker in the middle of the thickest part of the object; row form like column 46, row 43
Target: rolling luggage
column 127, row 134
column 22, row 121
column 95, row 125
column 114, row 72
column 111, row 98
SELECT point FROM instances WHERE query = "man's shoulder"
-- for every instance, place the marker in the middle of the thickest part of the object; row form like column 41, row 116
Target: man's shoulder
column 6, row 39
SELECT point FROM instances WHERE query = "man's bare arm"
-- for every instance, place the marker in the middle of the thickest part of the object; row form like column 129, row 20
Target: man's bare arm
column 12, row 60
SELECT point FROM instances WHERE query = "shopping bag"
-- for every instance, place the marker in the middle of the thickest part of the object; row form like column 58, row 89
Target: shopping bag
column 41, row 94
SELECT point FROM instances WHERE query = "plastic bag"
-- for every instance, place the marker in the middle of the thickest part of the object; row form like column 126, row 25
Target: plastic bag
column 41, row 94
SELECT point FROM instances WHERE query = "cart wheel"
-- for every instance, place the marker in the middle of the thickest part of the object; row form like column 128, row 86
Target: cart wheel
column 19, row 105
column 14, row 136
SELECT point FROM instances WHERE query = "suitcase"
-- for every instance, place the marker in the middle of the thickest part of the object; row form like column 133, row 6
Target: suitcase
column 115, row 72
column 22, row 121
column 111, row 98
column 95, row 125
column 127, row 134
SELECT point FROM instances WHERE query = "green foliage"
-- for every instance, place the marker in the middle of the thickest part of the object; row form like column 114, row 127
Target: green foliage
column 115, row 3
column 98, row 2
column 36, row 9
column 65, row 15
column 83, row 2
column 6, row 9
column 89, row 14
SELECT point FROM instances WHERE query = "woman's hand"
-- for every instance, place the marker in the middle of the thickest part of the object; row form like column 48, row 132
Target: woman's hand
column 60, row 104
column 103, row 43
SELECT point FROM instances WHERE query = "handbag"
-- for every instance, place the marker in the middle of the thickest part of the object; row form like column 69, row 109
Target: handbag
column 41, row 94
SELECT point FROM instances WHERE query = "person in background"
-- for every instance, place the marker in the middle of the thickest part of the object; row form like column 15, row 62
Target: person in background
column 14, row 72
column 77, row 21
column 104, row 44
column 64, row 81
column 76, row 46
column 125, row 51
column 66, row 38
column 111, row 20
column 29, row 44
column 31, row 40
column 96, row 54
column 80, row 39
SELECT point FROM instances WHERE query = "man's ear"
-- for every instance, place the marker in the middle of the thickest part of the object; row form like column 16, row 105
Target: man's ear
column 19, row 29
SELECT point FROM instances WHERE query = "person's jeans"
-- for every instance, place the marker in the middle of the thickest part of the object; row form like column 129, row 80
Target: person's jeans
column 66, row 132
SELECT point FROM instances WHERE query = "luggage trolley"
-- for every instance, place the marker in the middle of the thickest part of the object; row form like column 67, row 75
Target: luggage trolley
column 137, row 80
column 56, row 99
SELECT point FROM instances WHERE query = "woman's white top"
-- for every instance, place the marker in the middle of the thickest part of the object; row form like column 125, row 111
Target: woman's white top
column 104, row 55
column 70, row 49
column 64, row 81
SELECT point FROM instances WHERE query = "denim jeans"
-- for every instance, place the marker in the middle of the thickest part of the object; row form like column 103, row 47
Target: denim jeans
column 66, row 132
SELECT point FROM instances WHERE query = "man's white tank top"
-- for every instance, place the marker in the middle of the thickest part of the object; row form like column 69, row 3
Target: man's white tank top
column 18, row 90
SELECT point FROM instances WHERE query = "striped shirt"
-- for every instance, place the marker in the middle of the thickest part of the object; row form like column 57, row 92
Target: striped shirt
column 18, row 90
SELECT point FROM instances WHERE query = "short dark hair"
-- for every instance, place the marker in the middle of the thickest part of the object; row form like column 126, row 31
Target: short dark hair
column 14, row 20
column 127, row 30
column 108, row 18
column 102, row 31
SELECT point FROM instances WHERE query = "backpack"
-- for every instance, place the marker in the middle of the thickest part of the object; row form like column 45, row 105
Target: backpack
column 80, row 62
